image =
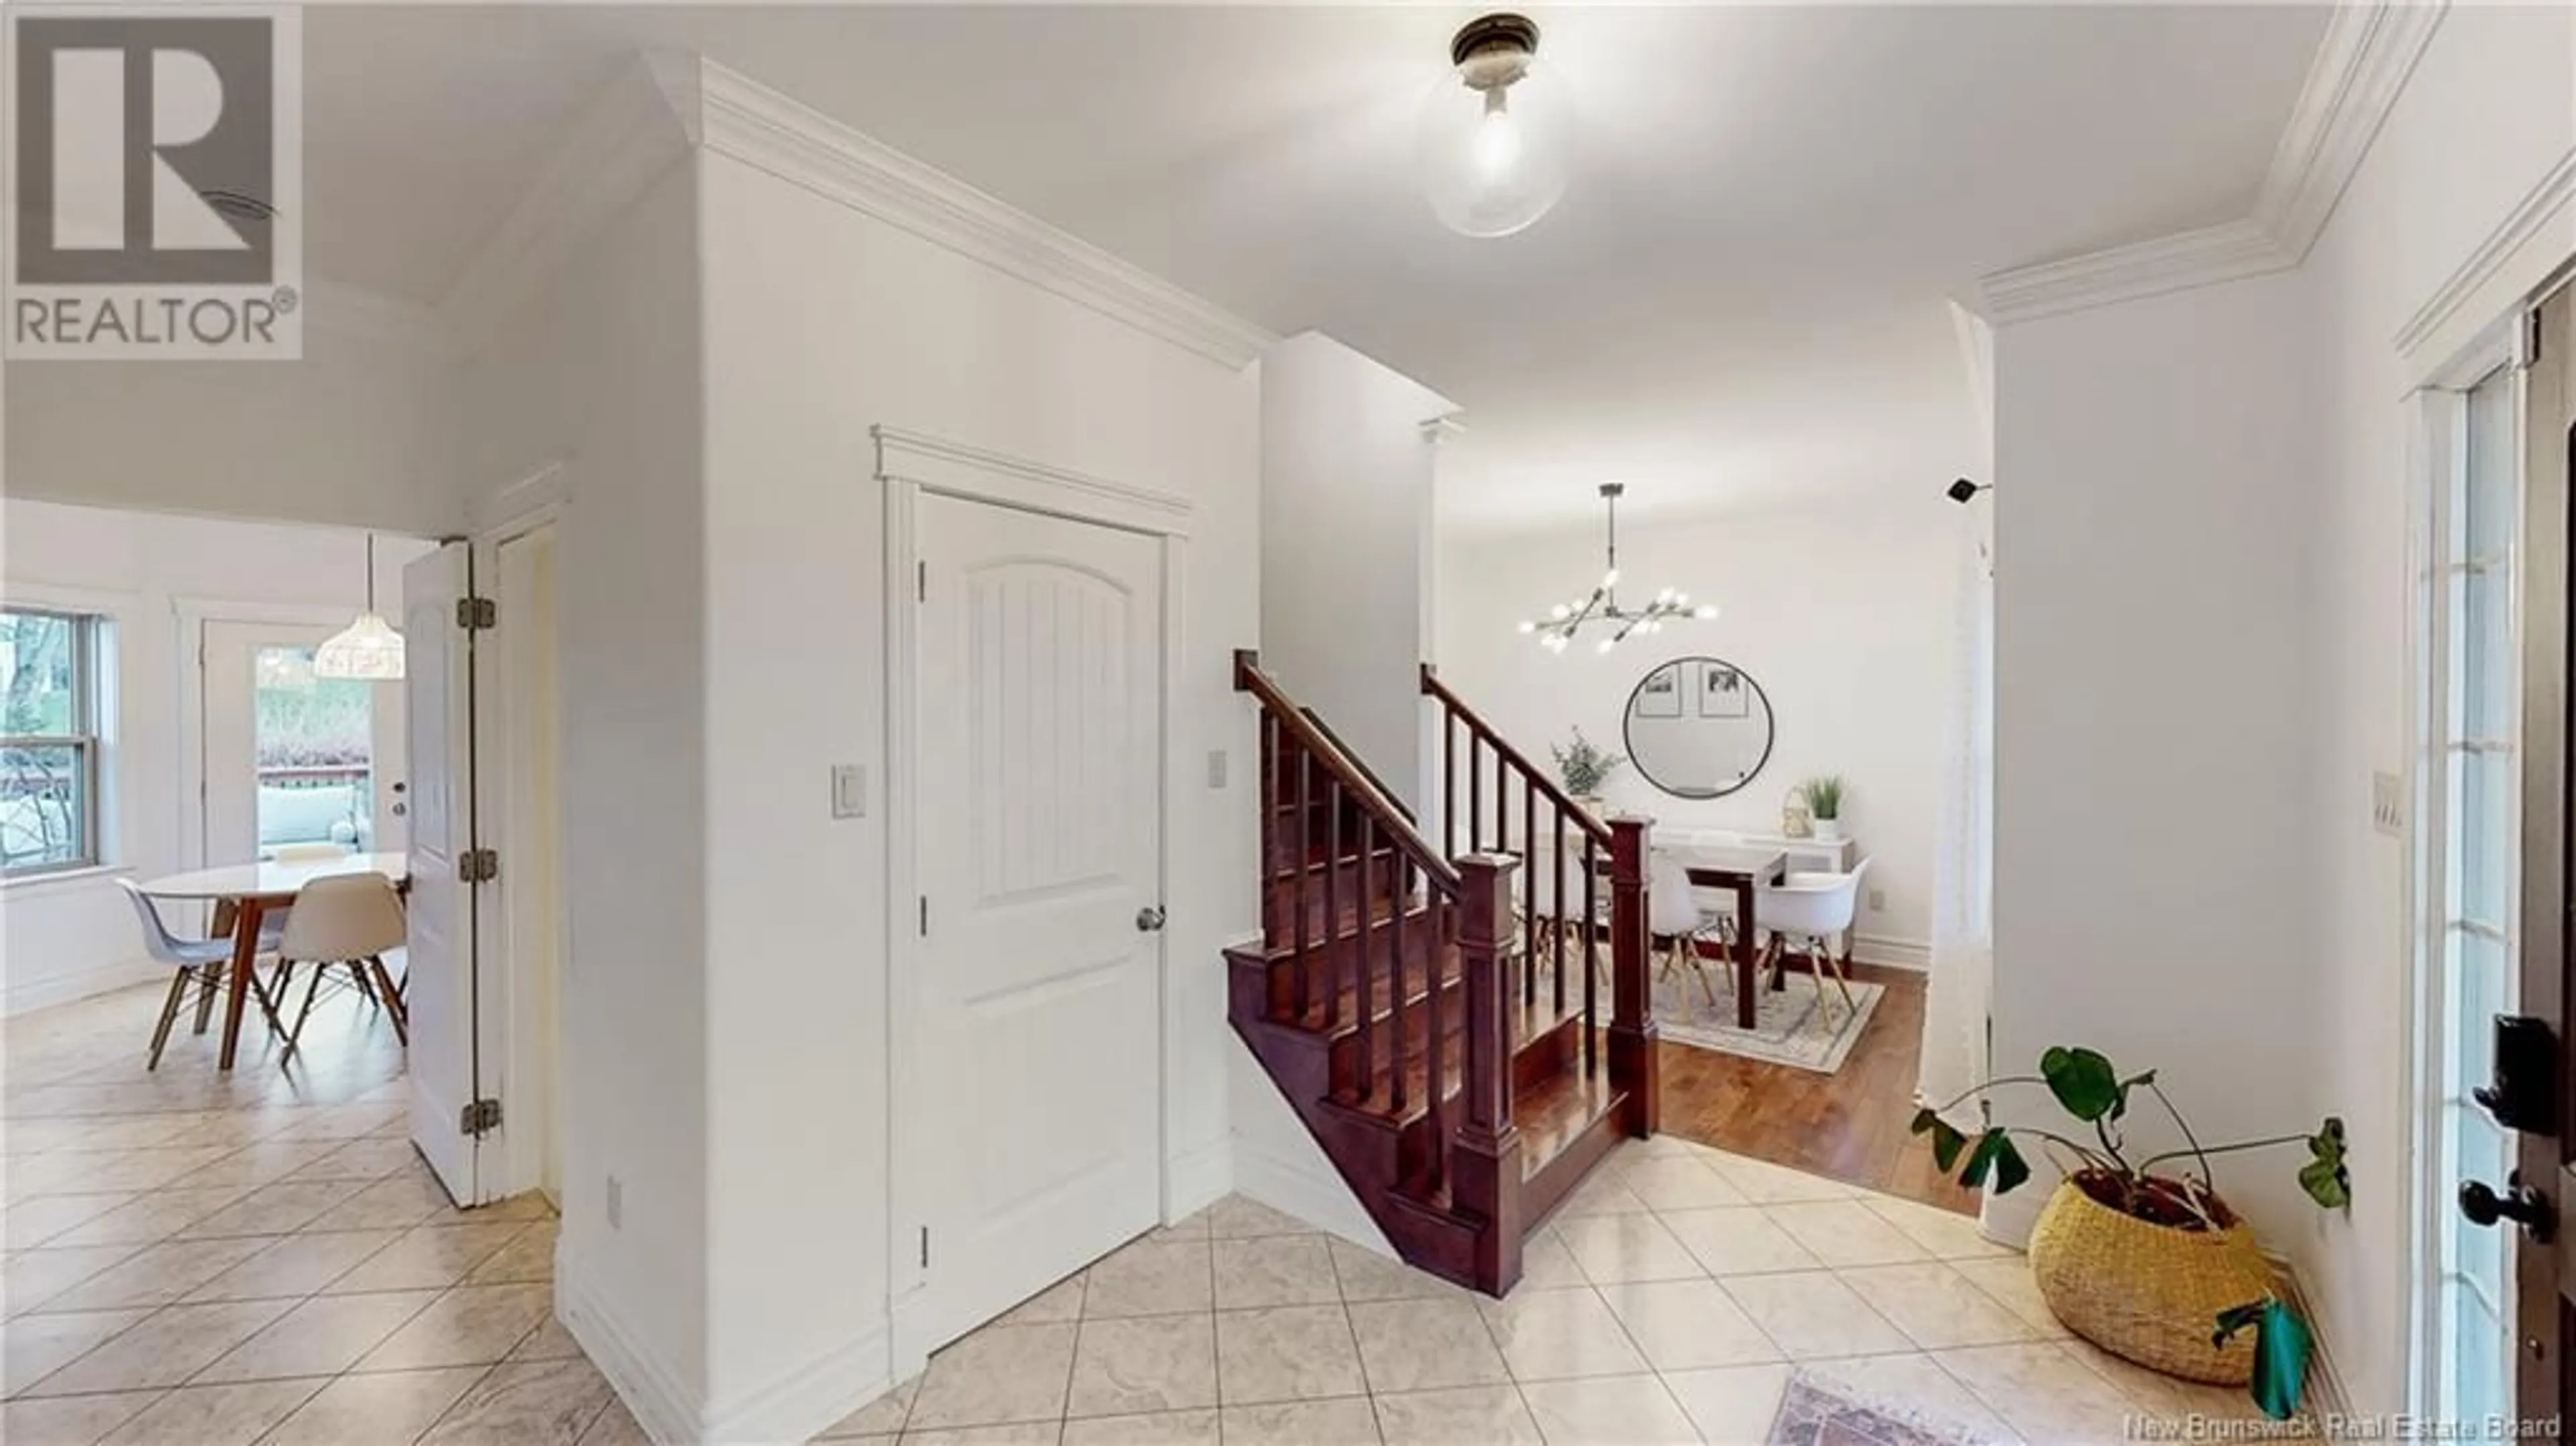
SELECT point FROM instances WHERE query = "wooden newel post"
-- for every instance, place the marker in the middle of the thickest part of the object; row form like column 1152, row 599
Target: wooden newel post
column 1633, row 1063
column 1486, row 1167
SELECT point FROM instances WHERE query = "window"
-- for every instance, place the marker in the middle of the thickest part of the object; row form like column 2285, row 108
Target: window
column 49, row 767
column 2470, row 886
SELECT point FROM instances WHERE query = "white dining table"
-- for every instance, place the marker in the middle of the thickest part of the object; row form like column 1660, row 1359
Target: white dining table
column 254, row 889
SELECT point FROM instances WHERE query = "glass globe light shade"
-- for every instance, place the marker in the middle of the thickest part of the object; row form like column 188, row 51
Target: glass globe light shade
column 1490, row 149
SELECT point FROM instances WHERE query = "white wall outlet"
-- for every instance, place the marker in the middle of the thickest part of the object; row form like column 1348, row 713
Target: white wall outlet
column 1878, row 901
column 616, row 1203
column 850, row 790
column 2388, row 804
column 1216, row 768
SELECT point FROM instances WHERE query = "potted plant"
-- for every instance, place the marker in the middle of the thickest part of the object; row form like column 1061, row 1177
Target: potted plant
column 2149, row 1264
column 1583, row 767
column 1824, row 797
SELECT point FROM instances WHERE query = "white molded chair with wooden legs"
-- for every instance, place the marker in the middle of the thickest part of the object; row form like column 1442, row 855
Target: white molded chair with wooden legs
column 1673, row 913
column 202, row 960
column 1811, row 911
column 350, row 920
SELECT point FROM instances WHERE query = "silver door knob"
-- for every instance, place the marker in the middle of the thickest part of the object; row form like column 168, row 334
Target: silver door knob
column 1149, row 920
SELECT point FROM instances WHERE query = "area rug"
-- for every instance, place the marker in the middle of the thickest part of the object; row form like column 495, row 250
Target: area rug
column 1789, row 1026
column 1816, row 1411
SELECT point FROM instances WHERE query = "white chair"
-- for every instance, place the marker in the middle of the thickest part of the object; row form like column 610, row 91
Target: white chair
column 203, row 960
column 351, row 920
column 1673, row 913
column 1810, row 910
column 307, row 853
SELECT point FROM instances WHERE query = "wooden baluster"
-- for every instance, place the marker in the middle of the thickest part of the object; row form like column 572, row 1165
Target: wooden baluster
column 1556, row 860
column 1486, row 1172
column 1333, row 866
column 1270, row 931
column 1591, row 945
column 1529, row 841
column 1434, row 979
column 1633, row 1063
column 1396, row 870
column 1475, row 791
column 1360, row 955
column 1300, row 971
column 1448, row 782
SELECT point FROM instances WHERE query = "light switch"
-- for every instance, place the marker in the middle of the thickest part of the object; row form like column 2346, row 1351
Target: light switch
column 1216, row 768
column 850, row 791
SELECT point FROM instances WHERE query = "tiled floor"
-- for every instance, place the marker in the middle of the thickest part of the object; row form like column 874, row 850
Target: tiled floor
column 203, row 1261
column 1670, row 1301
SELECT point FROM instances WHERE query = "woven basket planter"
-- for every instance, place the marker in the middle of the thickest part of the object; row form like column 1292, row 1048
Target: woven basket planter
column 2148, row 1292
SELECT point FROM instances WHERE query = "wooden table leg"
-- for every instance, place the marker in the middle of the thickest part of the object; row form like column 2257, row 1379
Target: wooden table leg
column 245, row 957
column 1747, row 967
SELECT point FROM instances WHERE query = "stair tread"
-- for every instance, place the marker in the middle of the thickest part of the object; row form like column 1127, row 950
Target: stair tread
column 1550, row 1116
column 1528, row 1022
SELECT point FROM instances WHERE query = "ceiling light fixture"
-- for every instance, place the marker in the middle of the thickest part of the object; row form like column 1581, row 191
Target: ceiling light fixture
column 1486, row 139
column 368, row 648
column 1563, row 621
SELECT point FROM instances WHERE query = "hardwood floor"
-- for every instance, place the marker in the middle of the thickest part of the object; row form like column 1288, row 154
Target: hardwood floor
column 1850, row 1125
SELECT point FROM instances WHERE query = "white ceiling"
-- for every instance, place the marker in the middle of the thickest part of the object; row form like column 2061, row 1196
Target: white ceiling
column 1739, row 303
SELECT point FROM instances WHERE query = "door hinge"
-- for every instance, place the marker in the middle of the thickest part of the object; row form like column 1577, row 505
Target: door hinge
column 478, row 866
column 925, row 1247
column 921, row 581
column 925, row 916
column 479, row 1118
column 476, row 613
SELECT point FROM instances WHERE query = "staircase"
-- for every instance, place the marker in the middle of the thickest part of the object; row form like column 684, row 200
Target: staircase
column 1449, row 1054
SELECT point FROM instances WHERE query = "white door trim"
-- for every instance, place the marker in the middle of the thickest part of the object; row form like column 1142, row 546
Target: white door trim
column 909, row 464
column 514, row 1164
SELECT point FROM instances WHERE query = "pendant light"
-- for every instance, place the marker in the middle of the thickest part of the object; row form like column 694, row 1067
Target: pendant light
column 1486, row 140
column 1567, row 619
column 367, row 648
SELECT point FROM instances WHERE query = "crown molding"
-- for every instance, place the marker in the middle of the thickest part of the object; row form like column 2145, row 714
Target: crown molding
column 2369, row 49
column 2529, row 217
column 644, row 121
column 760, row 127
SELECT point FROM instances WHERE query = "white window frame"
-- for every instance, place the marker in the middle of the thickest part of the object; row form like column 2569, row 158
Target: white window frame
column 2440, row 474
column 88, row 737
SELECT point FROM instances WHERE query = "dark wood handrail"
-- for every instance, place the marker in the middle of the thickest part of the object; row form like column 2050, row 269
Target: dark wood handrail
column 1485, row 732
column 1393, row 825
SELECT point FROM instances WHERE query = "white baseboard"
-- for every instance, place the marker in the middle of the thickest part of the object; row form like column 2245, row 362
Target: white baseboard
column 21, row 996
column 2007, row 1219
column 1915, row 954
column 1198, row 1177
column 661, row 1403
column 809, row 1399
column 2327, row 1397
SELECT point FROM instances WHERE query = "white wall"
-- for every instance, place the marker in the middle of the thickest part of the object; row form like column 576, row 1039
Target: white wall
column 72, row 936
column 2490, row 108
column 2211, row 491
column 1845, row 618
column 351, row 434
column 1346, row 547
column 821, row 322
column 599, row 379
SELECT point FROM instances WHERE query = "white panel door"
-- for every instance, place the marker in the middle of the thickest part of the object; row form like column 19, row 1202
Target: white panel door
column 1039, row 860
column 438, row 695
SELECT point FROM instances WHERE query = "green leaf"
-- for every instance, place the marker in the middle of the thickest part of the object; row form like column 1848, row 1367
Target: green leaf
column 2282, row 1346
column 1946, row 1141
column 2237, row 1318
column 2121, row 1107
column 1997, row 1159
column 2325, row 1176
column 2083, row 1082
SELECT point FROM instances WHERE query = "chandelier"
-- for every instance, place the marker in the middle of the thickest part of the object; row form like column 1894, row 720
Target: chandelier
column 1566, row 619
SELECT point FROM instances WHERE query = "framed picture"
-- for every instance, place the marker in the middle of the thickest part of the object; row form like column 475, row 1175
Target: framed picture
column 1660, row 696
column 1722, row 693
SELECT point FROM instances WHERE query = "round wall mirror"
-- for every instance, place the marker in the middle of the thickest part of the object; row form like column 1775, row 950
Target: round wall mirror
column 1699, row 728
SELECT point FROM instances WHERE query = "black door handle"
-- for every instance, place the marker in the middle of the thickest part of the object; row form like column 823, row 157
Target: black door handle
column 2519, row 1203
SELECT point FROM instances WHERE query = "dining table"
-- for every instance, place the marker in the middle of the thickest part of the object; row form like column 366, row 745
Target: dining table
column 254, row 890
column 1742, row 871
